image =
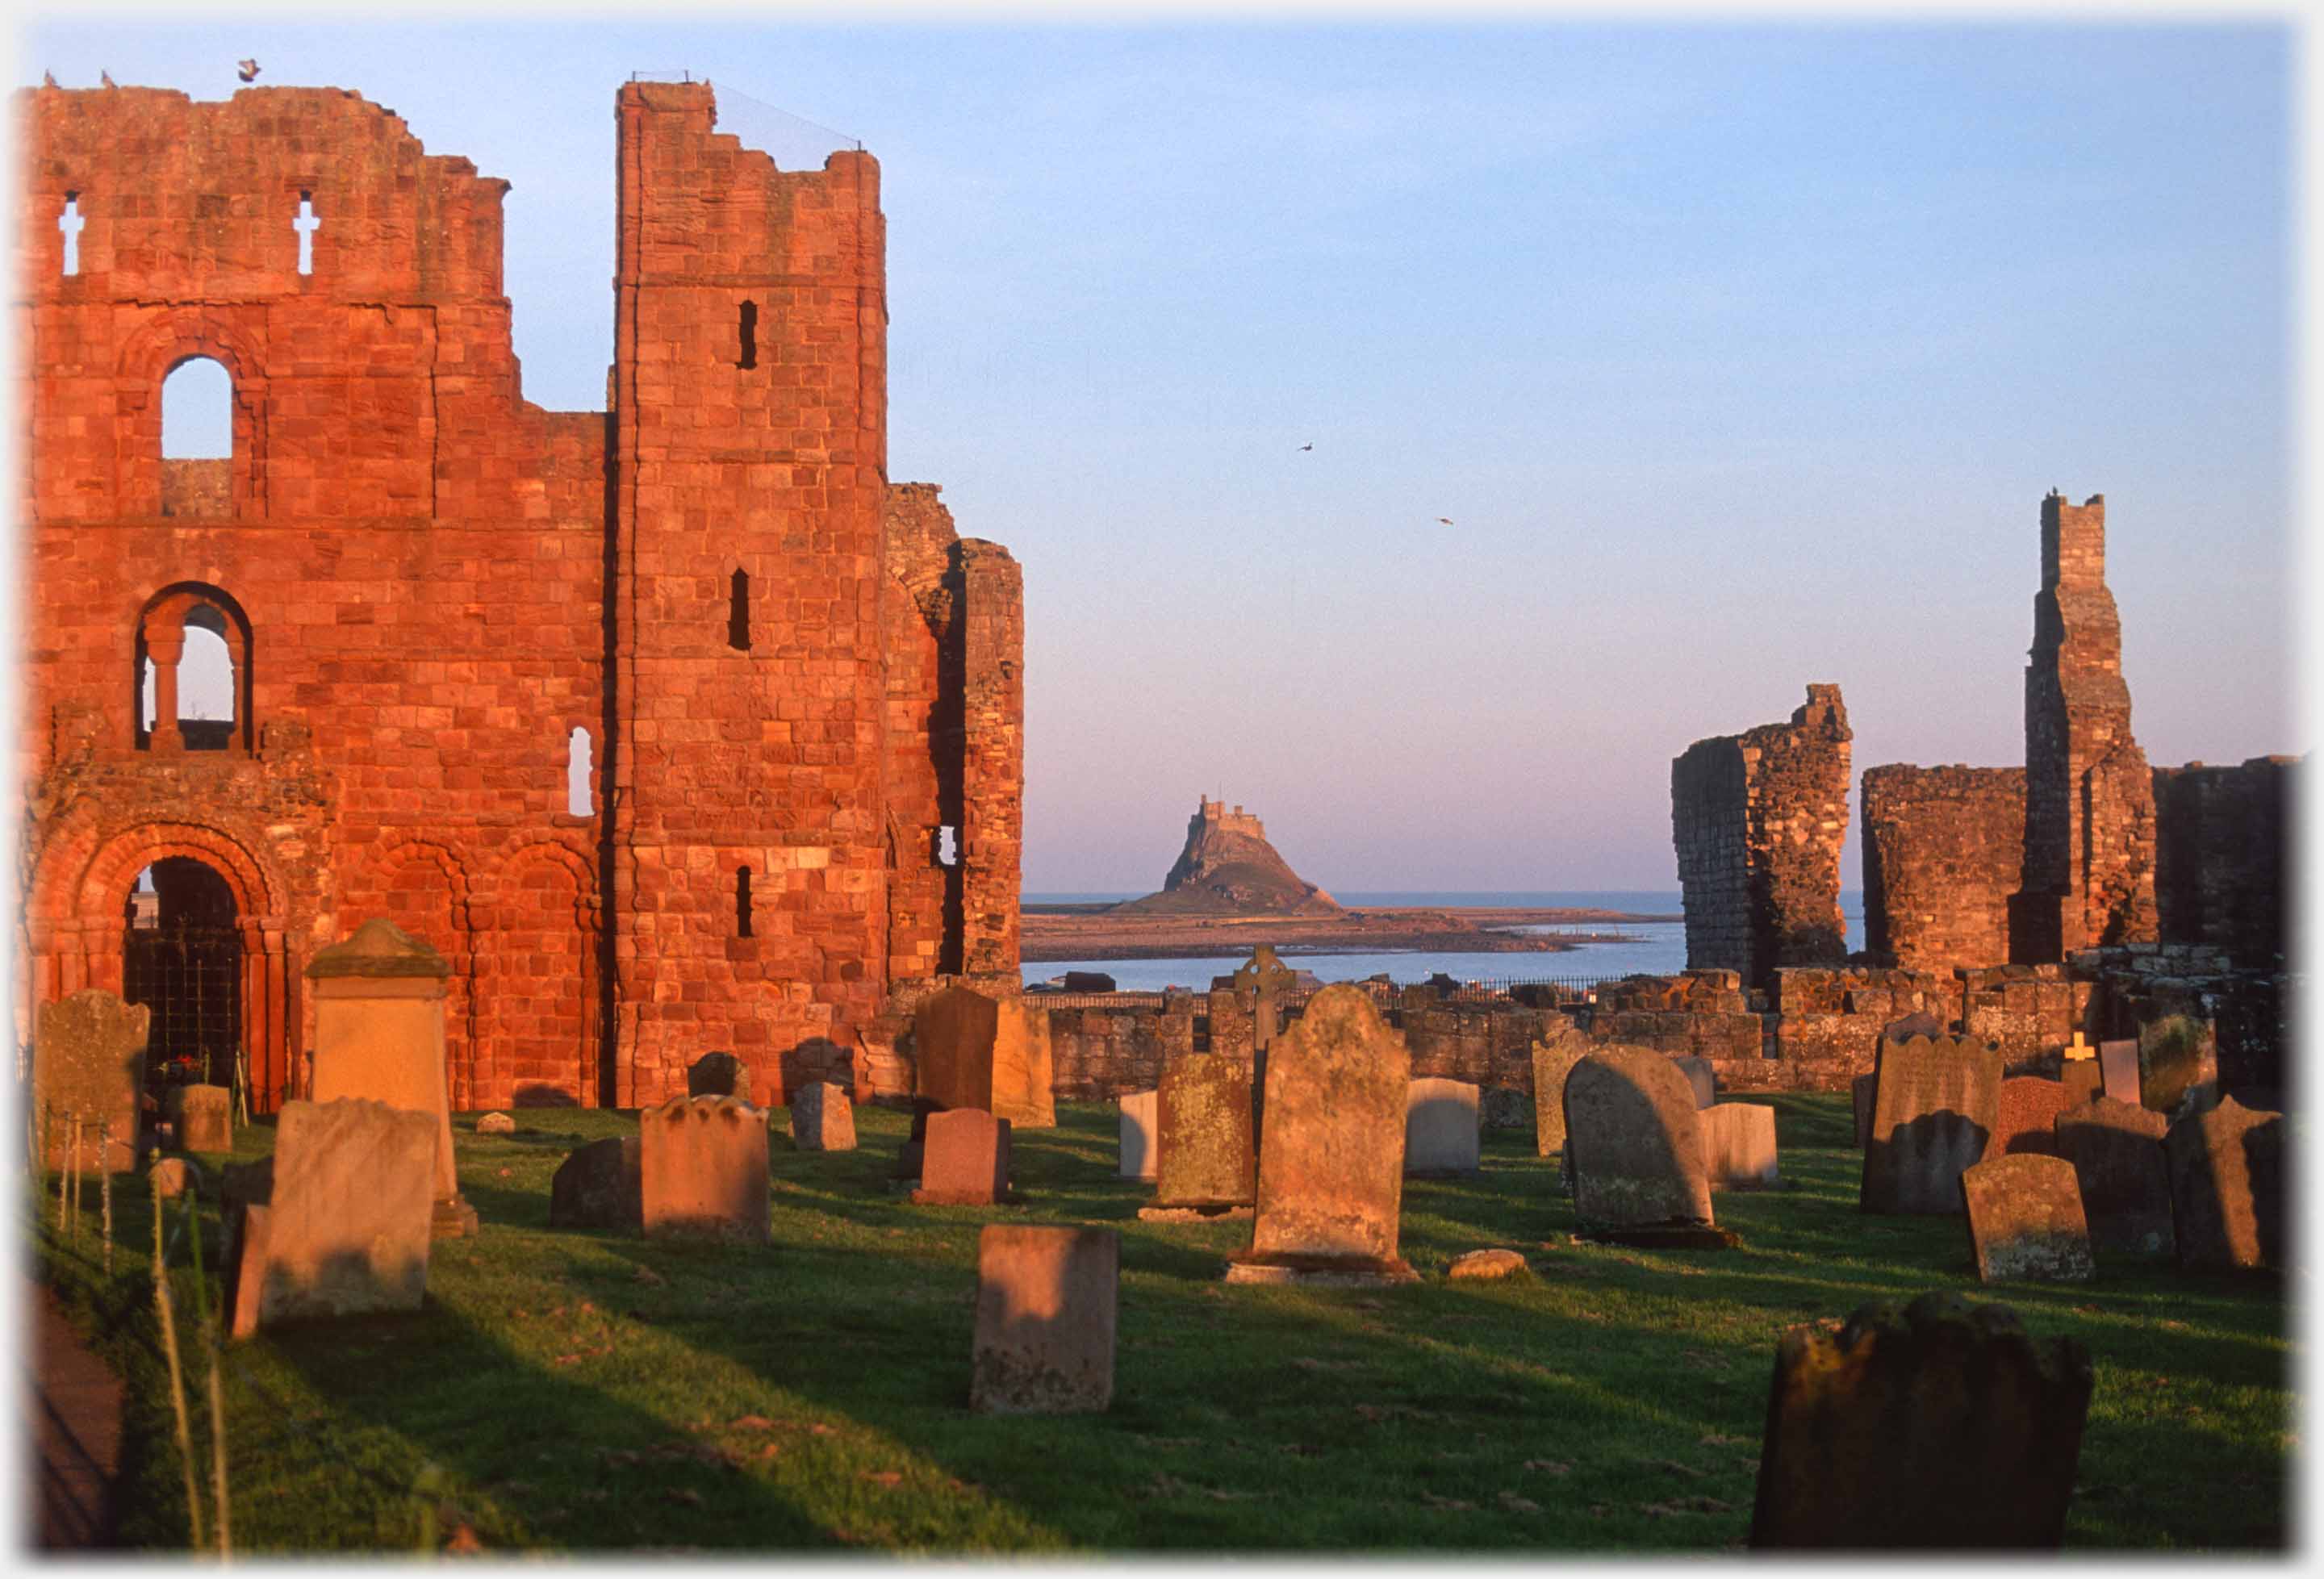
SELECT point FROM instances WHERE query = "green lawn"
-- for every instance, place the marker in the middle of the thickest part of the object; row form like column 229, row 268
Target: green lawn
column 581, row 1390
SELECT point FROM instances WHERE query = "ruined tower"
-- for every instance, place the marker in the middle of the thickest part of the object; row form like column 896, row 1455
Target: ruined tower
column 2089, row 867
column 1758, row 819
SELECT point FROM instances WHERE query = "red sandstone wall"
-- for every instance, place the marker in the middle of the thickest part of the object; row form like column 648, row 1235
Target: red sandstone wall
column 1942, row 848
column 2223, row 842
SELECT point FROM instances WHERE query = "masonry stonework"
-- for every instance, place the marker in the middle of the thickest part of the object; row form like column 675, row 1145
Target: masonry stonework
column 801, row 691
column 1944, row 848
column 2223, row 844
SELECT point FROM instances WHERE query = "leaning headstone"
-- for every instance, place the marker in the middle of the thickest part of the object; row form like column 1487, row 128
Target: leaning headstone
column 1204, row 1162
column 346, row 1227
column 1440, row 1130
column 379, row 1036
column 203, row 1116
column 972, row 1051
column 1140, row 1116
column 2027, row 1113
column 1504, row 1107
column 966, row 1159
column 1331, row 1158
column 600, row 1186
column 1635, row 1139
column 702, row 1169
column 718, row 1075
column 823, row 1119
column 1553, row 1058
column 88, row 1057
column 2176, row 1056
column 1045, row 1304
column 1701, row 1079
column 2226, row 1187
column 1933, row 1113
column 2025, row 1220
column 2118, row 1068
column 2117, row 1152
column 1940, row 1425
column 1738, row 1145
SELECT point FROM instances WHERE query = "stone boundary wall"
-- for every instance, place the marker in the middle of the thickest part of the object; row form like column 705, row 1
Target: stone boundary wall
column 1944, row 850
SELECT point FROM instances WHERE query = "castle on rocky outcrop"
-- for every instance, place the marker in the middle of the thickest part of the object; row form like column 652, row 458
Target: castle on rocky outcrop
column 790, row 694
column 1228, row 868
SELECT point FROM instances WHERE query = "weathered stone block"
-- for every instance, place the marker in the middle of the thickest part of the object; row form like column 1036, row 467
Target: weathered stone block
column 1204, row 1123
column 1934, row 1112
column 1045, row 1304
column 203, row 1116
column 1634, row 1137
column 702, row 1169
column 966, row 1159
column 1140, row 1119
column 823, row 1119
column 352, row 1196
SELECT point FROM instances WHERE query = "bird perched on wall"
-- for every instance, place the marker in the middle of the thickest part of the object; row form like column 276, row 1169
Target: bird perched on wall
column 106, row 78
column 48, row 79
column 246, row 70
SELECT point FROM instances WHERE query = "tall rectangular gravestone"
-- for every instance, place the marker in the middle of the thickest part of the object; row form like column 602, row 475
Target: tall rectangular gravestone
column 1738, row 1146
column 2118, row 1069
column 1441, row 1129
column 1203, row 1112
column 966, row 1162
column 1553, row 1058
column 2025, row 1220
column 346, row 1229
column 1140, row 1114
column 88, row 1060
column 972, row 1051
column 1634, row 1137
column 1939, row 1425
column 1045, row 1304
column 702, row 1169
column 1938, row 1103
column 823, row 1119
column 1331, row 1161
column 2115, row 1149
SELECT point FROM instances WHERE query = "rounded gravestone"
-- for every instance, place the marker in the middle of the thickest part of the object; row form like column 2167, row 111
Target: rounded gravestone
column 1633, row 1133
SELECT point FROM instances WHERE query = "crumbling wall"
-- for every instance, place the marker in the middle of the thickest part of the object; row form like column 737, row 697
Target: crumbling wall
column 2223, row 848
column 1758, row 819
column 1942, row 849
column 2089, row 866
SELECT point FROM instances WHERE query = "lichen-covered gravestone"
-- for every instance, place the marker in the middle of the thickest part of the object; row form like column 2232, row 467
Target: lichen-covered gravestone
column 1440, row 1128
column 1553, row 1058
column 2226, row 1187
column 823, row 1119
column 966, row 1159
column 1634, row 1137
column 1203, row 1117
column 1045, row 1304
column 1940, row 1425
column 1938, row 1103
column 1738, row 1145
column 1140, row 1116
column 718, row 1075
column 345, row 1227
column 2177, row 1055
column 2025, row 1220
column 972, row 1051
column 2026, row 1117
column 89, row 1058
column 1331, row 1157
column 2116, row 1151
column 702, row 1169
column 600, row 1186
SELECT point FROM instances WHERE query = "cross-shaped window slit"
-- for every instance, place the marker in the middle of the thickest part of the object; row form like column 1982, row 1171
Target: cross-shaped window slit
column 70, row 222
column 305, row 225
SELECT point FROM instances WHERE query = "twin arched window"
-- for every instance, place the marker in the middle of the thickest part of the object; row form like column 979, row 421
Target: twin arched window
column 191, row 675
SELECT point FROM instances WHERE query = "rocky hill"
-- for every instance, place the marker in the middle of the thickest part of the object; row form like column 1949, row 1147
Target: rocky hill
column 1229, row 869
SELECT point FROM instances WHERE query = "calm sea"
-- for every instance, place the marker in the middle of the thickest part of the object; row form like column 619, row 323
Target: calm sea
column 1659, row 949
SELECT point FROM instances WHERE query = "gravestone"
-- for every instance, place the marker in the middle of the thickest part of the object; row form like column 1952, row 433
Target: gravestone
column 1045, row 1304
column 1202, row 1127
column 88, row 1057
column 2177, row 1055
column 379, row 1036
column 2081, row 1077
column 1140, row 1116
column 1700, row 1079
column 1864, row 1088
column 2027, row 1110
column 702, row 1169
column 2025, row 1220
column 1504, row 1107
column 172, row 1176
column 2117, row 1152
column 600, row 1186
column 1331, row 1158
column 823, row 1119
column 1934, row 1113
column 242, row 1264
column 2118, row 1069
column 1634, row 1137
column 203, row 1116
column 1861, row 1090
column 972, row 1051
column 1553, row 1058
column 496, row 1124
column 1487, row 1266
column 1738, row 1145
column 347, row 1223
column 966, row 1159
column 1940, row 1425
column 718, row 1075
column 1440, row 1128
column 2226, row 1187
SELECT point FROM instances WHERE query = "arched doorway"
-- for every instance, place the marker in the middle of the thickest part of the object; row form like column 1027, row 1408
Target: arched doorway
column 181, row 956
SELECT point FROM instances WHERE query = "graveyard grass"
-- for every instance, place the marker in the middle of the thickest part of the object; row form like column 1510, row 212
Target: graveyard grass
column 578, row 1392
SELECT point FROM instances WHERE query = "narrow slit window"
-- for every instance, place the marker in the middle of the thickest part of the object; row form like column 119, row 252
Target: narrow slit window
column 305, row 225
column 70, row 222
column 579, row 767
column 743, row 901
column 738, row 611
column 948, row 845
column 749, row 355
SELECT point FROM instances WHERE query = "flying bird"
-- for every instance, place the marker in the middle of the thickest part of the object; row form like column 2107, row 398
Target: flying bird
column 247, row 70
column 1306, row 447
column 1444, row 521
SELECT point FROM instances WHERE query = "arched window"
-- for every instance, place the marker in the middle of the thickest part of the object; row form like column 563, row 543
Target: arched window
column 192, row 679
column 197, row 440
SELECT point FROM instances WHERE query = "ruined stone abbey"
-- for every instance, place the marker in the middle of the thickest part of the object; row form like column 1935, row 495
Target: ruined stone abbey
column 795, row 693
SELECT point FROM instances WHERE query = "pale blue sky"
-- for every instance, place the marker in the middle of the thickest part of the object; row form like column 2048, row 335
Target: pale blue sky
column 1740, row 355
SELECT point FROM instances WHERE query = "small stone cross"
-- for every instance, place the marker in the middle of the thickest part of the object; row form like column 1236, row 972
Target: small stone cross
column 71, row 222
column 2079, row 1050
column 305, row 225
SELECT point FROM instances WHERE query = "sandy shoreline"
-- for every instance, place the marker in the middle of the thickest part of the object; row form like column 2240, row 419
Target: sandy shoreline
column 1063, row 932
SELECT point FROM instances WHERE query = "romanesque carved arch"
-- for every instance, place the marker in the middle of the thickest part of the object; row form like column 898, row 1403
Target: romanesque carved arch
column 148, row 353
column 538, row 977
column 377, row 887
column 160, row 635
